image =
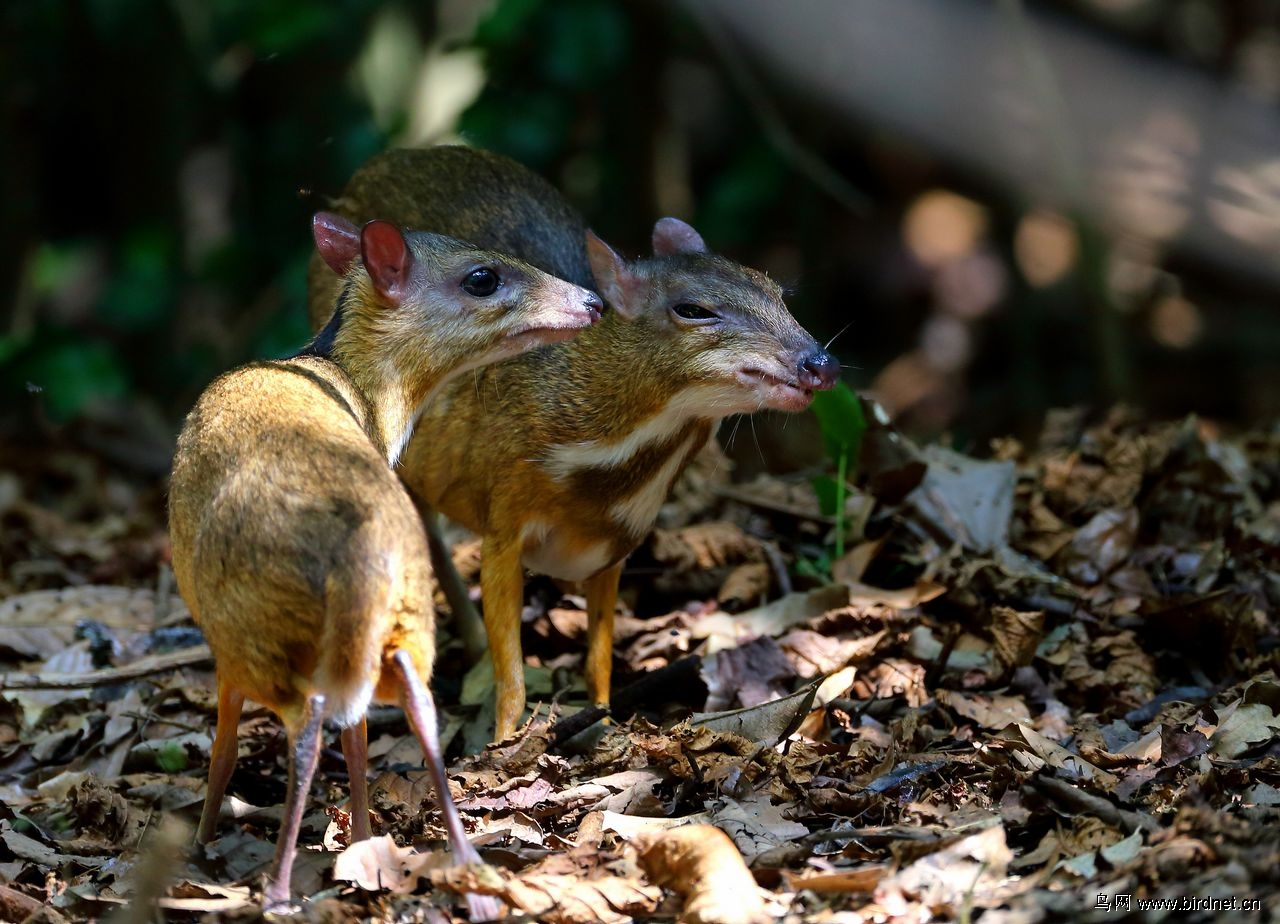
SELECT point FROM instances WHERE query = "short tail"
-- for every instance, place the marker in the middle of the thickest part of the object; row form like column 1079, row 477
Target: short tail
column 356, row 612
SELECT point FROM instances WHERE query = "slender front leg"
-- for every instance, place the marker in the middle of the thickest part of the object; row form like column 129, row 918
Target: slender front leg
column 304, row 738
column 602, row 598
column 502, row 590
column 355, row 748
column 466, row 619
column 421, row 710
column 222, row 759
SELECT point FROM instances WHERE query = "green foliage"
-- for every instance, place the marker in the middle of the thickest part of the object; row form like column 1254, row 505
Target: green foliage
column 284, row 26
column 54, row 265
column 530, row 126
column 829, row 493
column 840, row 416
column 171, row 757
column 578, row 42
column 507, row 22
column 287, row 330
column 141, row 271
column 67, row 375
column 739, row 198
column 588, row 42
column 544, row 58
column 817, row 567
column 141, row 293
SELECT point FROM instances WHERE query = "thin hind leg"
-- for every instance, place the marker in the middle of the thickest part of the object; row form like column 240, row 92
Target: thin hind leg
column 222, row 759
column 355, row 748
column 421, row 710
column 304, row 736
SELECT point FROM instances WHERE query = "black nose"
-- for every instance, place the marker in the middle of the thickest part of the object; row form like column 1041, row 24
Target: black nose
column 819, row 370
column 594, row 303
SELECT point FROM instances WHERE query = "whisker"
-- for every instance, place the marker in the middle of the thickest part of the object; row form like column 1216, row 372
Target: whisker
column 827, row 345
column 756, row 436
column 733, row 434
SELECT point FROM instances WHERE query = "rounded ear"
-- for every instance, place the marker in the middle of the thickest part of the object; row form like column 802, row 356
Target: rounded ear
column 621, row 288
column 387, row 259
column 336, row 239
column 671, row 235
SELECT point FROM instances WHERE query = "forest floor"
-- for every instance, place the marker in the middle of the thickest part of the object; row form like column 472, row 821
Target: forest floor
column 1034, row 688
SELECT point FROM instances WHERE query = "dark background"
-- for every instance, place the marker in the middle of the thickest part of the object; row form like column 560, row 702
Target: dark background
column 1033, row 228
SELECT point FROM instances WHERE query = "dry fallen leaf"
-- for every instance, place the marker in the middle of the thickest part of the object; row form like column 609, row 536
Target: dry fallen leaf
column 755, row 824
column 992, row 712
column 574, row 900
column 1076, row 711
column 1017, row 635
column 748, row 675
column 700, row 863
column 723, row 630
column 379, row 864
column 967, row 500
column 1248, row 725
column 1036, row 751
column 968, row 873
column 766, row 723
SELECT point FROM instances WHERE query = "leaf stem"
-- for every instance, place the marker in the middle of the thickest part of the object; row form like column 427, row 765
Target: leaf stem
column 842, row 464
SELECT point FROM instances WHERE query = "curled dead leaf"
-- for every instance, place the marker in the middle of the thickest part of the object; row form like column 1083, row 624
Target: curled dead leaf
column 700, row 863
column 768, row 722
column 1017, row 635
column 1102, row 544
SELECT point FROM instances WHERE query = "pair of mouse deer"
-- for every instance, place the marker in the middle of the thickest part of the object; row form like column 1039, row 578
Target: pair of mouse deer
column 297, row 542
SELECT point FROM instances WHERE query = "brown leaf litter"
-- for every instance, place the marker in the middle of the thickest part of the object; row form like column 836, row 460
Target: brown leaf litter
column 1038, row 687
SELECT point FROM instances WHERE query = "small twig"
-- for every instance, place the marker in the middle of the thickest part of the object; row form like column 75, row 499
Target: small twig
column 939, row 666
column 146, row 718
column 143, row 667
column 577, row 723
column 630, row 697
column 1078, row 800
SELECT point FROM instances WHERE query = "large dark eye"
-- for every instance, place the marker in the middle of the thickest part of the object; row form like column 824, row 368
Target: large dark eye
column 481, row 282
column 687, row 311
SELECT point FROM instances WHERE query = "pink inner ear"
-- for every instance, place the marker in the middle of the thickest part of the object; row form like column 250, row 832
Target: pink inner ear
column 336, row 239
column 387, row 259
column 671, row 235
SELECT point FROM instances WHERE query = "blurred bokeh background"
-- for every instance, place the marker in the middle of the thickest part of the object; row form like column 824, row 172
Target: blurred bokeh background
column 993, row 207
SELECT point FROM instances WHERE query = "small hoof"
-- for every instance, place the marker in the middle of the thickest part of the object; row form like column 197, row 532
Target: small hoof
column 276, row 901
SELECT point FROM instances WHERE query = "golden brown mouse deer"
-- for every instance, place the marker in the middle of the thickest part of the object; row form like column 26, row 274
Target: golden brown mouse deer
column 561, row 458
column 297, row 549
